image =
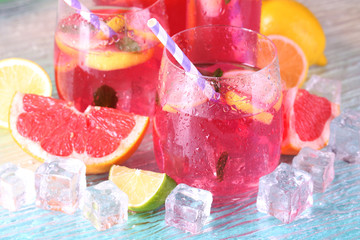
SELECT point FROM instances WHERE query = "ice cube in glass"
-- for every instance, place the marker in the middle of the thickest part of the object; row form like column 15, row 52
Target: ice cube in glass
column 345, row 136
column 60, row 185
column 105, row 205
column 285, row 193
column 17, row 187
column 319, row 164
column 187, row 208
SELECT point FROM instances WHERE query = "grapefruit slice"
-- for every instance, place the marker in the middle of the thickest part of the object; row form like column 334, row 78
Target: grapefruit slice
column 292, row 61
column 307, row 120
column 45, row 128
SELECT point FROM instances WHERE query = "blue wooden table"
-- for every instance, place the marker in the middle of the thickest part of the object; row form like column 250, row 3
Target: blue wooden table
column 27, row 32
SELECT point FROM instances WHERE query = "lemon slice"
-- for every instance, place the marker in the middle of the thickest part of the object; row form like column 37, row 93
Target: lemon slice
column 100, row 59
column 20, row 75
column 147, row 190
column 111, row 60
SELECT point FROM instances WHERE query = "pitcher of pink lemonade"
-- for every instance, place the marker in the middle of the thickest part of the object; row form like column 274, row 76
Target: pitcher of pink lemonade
column 239, row 13
column 119, row 71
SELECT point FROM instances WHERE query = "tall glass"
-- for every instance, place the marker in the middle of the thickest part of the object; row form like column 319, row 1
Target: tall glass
column 224, row 146
column 239, row 13
column 119, row 71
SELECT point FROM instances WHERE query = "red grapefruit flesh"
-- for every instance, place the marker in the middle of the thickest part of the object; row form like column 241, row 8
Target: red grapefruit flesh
column 307, row 120
column 45, row 127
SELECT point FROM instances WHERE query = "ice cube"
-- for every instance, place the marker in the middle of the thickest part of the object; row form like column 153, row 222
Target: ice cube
column 105, row 205
column 60, row 185
column 17, row 187
column 319, row 164
column 285, row 193
column 327, row 88
column 187, row 208
column 345, row 136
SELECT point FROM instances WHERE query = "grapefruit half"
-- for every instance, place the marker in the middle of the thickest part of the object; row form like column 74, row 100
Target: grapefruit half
column 307, row 120
column 46, row 128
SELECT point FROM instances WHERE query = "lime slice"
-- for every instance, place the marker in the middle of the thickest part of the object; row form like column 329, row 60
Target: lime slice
column 147, row 190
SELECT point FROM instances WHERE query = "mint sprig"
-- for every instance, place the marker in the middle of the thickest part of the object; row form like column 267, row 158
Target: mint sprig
column 127, row 44
column 105, row 96
column 220, row 166
column 214, row 82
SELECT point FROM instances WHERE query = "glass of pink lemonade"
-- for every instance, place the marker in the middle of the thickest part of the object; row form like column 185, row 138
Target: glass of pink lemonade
column 118, row 71
column 239, row 13
column 222, row 145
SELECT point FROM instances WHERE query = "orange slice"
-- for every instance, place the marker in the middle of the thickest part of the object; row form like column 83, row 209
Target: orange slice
column 292, row 60
column 46, row 128
column 307, row 120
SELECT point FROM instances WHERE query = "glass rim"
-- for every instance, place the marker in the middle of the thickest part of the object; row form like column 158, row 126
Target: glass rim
column 137, row 11
column 272, row 62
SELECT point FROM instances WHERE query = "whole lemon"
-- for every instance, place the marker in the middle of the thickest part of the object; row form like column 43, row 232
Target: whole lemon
column 293, row 20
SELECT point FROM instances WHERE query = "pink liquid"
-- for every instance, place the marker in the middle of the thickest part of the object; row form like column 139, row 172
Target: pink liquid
column 215, row 147
column 176, row 10
column 130, row 86
column 239, row 13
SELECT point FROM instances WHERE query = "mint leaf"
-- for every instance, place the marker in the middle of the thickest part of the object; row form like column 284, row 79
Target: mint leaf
column 220, row 166
column 127, row 44
column 218, row 73
column 215, row 83
column 105, row 96
column 227, row 1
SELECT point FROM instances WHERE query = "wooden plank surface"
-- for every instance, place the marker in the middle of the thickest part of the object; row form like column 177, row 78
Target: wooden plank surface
column 28, row 32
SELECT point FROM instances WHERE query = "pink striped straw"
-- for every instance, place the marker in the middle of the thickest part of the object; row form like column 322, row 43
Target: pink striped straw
column 181, row 58
column 90, row 17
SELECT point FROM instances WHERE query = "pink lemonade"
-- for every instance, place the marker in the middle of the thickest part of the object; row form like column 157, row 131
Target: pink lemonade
column 220, row 146
column 176, row 10
column 119, row 72
column 239, row 13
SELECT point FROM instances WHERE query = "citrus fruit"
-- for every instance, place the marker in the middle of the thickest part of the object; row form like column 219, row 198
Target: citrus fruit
column 21, row 75
column 102, row 59
column 292, row 19
column 293, row 64
column 307, row 120
column 97, row 51
column 112, row 60
column 252, row 99
column 45, row 128
column 146, row 190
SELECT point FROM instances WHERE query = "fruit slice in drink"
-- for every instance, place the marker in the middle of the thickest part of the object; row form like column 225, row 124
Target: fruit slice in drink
column 47, row 128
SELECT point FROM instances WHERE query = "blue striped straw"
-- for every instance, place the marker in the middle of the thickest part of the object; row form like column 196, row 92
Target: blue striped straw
column 90, row 17
column 181, row 58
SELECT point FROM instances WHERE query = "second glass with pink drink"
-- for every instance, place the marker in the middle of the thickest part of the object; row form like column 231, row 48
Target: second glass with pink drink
column 120, row 71
column 222, row 145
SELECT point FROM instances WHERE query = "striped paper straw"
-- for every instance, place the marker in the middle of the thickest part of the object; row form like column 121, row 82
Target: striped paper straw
column 90, row 17
column 181, row 58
